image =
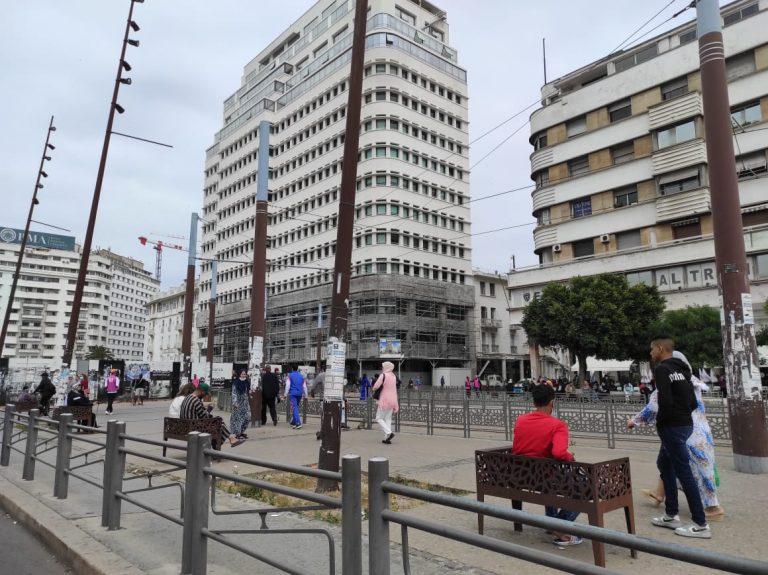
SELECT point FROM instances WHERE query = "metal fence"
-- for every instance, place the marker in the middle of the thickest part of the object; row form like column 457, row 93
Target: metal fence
column 197, row 492
column 198, row 501
column 437, row 412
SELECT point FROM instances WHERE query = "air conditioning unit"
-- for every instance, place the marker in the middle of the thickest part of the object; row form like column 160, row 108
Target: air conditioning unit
column 605, row 238
column 557, row 248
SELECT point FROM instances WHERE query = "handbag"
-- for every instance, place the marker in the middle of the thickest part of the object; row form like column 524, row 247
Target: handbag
column 377, row 392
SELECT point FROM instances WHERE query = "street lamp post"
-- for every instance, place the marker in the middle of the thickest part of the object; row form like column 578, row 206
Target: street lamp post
column 85, row 254
column 41, row 173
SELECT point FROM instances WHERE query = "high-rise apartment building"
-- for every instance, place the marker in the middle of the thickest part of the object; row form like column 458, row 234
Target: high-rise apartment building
column 620, row 166
column 411, row 268
column 131, row 289
column 165, row 321
column 37, row 331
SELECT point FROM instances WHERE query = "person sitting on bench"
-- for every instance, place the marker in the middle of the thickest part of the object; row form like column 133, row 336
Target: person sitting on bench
column 77, row 398
column 192, row 408
column 538, row 434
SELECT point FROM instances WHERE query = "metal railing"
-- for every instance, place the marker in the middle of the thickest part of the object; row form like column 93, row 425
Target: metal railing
column 197, row 492
column 380, row 487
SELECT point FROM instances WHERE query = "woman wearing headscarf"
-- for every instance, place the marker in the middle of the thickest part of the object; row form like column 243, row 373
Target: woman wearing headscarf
column 701, row 448
column 387, row 400
column 241, row 406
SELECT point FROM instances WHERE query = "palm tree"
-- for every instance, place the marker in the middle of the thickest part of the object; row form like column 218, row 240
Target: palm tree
column 99, row 352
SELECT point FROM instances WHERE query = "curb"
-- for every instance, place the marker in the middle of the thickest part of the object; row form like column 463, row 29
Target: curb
column 76, row 548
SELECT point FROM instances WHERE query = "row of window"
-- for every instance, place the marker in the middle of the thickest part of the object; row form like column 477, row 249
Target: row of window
column 422, row 215
column 415, row 269
column 398, row 238
column 414, row 104
column 736, row 67
column 412, row 157
column 415, row 78
column 399, row 125
column 310, row 229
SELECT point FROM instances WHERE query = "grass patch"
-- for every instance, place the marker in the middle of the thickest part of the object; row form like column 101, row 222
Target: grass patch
column 333, row 516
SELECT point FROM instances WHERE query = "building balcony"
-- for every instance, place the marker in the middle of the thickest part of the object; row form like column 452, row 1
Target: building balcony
column 490, row 323
column 675, row 110
column 691, row 153
column 683, row 205
column 544, row 237
column 488, row 349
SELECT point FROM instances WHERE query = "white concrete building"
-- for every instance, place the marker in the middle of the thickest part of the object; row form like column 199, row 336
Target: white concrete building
column 621, row 169
column 165, row 322
column 131, row 289
column 501, row 348
column 42, row 305
column 412, row 251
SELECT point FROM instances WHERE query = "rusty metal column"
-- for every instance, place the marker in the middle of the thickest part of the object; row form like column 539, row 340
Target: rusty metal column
column 189, row 303
column 17, row 273
column 319, row 352
column 333, row 388
column 259, row 277
column 745, row 406
column 211, row 320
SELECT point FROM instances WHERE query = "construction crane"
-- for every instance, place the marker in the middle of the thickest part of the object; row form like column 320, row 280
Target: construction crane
column 159, row 246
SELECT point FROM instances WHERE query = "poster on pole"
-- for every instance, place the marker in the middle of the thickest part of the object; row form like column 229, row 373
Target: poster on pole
column 335, row 370
column 255, row 358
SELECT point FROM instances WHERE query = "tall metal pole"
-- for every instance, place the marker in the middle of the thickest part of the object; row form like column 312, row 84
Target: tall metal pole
column 319, row 356
column 747, row 416
column 212, row 319
column 85, row 254
column 17, row 273
column 333, row 389
column 189, row 302
column 259, row 272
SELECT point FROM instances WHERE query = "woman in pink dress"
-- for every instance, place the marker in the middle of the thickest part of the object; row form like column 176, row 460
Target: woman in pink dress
column 387, row 400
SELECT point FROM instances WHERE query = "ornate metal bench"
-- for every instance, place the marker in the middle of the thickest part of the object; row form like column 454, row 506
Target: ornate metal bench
column 591, row 488
column 174, row 428
column 25, row 406
column 79, row 412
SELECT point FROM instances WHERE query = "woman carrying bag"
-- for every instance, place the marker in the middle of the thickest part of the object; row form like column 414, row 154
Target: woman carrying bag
column 385, row 392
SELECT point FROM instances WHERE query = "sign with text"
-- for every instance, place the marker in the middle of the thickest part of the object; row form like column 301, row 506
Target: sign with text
column 333, row 389
column 390, row 348
column 38, row 239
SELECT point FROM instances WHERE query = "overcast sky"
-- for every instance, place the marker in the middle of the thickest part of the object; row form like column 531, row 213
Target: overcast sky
column 60, row 58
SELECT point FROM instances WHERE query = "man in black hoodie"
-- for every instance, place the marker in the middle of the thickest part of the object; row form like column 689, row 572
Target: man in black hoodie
column 674, row 425
column 270, row 389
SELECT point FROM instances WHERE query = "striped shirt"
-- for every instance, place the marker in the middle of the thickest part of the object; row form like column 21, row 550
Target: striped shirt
column 192, row 408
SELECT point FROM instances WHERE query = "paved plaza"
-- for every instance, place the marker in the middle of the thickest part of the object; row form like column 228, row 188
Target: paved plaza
column 152, row 545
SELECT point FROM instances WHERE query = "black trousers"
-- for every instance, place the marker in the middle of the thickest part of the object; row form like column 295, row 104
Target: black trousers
column 272, row 409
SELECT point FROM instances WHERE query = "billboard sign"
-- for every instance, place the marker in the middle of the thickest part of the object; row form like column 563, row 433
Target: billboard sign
column 390, row 348
column 38, row 239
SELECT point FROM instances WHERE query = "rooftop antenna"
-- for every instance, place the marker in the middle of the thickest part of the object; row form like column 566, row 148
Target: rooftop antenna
column 544, row 55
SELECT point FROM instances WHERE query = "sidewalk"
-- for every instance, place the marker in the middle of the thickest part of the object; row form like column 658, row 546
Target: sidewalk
column 150, row 543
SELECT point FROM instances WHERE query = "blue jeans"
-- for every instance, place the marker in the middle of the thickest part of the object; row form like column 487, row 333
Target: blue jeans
column 295, row 401
column 560, row 513
column 674, row 465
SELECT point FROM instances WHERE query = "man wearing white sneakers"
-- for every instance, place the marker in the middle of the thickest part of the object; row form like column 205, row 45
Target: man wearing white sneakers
column 674, row 425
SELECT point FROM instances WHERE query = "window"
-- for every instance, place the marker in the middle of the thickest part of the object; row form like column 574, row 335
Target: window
column 407, row 16
column 578, row 166
column 583, row 248
column 540, row 141
column 751, row 165
column 381, row 209
column 689, row 228
column 739, row 15
column 625, row 197
column 688, row 37
column 482, row 288
column 628, row 240
column 381, row 68
column 681, row 181
column 758, row 217
column 576, row 126
column 581, row 208
column 674, row 88
column 620, row 110
column 381, row 152
column 623, row 153
column 637, row 58
column 492, row 290
column 746, row 114
column 645, row 277
column 381, row 237
column 675, row 134
column 739, row 65
column 542, row 178
column 543, row 217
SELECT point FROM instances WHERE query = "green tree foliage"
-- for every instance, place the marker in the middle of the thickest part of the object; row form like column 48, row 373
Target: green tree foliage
column 601, row 316
column 762, row 335
column 99, row 352
column 696, row 331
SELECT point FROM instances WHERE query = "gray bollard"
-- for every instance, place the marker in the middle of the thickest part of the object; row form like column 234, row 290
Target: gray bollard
column 28, row 473
column 5, row 453
column 63, row 453
column 194, row 549
column 351, row 516
column 378, row 527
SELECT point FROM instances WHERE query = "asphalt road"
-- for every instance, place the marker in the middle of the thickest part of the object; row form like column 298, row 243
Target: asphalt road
column 23, row 554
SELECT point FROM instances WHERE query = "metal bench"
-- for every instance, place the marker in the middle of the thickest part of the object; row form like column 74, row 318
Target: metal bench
column 79, row 412
column 174, row 428
column 25, row 406
column 590, row 488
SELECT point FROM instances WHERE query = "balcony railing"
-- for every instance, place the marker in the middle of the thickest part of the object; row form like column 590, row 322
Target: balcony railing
column 491, row 323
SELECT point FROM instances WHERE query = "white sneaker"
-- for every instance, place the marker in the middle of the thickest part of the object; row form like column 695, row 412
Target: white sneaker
column 667, row 521
column 573, row 540
column 693, row 530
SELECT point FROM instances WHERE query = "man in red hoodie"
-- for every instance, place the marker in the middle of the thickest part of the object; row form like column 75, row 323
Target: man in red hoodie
column 538, row 434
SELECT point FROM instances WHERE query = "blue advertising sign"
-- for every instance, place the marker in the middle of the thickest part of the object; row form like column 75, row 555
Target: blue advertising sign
column 38, row 239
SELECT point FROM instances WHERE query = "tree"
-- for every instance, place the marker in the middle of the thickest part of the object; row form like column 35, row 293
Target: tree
column 601, row 316
column 99, row 352
column 696, row 331
column 762, row 335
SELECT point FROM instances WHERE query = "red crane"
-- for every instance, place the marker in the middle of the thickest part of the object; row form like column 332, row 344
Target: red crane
column 158, row 246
